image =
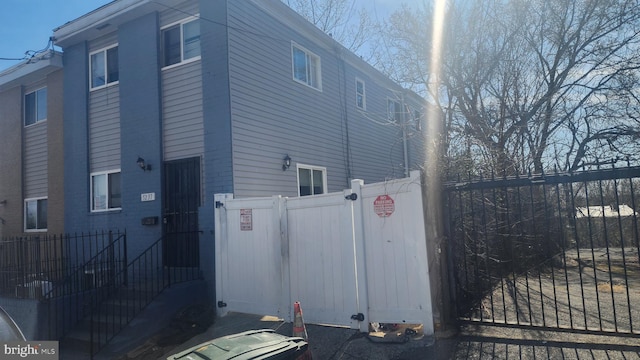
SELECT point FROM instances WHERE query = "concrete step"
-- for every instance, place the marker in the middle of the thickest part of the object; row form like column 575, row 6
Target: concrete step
column 150, row 318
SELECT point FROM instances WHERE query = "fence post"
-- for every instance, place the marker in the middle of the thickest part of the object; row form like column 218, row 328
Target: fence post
column 280, row 216
column 220, row 248
column 360, row 253
column 437, row 251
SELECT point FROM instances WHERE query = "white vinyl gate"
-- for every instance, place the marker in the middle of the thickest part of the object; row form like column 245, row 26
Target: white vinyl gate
column 361, row 251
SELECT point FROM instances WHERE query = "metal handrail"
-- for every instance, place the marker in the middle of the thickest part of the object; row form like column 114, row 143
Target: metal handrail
column 147, row 278
column 83, row 268
column 75, row 293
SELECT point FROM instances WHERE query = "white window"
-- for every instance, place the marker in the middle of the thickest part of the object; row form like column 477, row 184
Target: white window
column 306, row 67
column 106, row 192
column 180, row 42
column 361, row 97
column 394, row 111
column 312, row 180
column 103, row 65
column 35, row 214
column 35, row 106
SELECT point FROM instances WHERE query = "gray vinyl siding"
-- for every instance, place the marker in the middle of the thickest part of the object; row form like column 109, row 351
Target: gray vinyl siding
column 183, row 130
column 104, row 118
column 104, row 41
column 273, row 115
column 35, row 160
column 170, row 16
column 35, row 152
column 377, row 151
column 104, row 129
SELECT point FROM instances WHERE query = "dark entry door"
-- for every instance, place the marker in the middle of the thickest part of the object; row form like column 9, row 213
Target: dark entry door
column 180, row 218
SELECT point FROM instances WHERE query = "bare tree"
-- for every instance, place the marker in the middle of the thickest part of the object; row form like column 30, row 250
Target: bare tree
column 529, row 84
column 350, row 26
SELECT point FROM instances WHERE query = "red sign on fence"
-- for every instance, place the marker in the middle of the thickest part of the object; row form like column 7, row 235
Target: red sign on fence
column 384, row 205
column 246, row 220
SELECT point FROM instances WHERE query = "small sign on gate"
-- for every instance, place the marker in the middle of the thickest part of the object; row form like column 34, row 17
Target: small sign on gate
column 246, row 220
column 384, row 205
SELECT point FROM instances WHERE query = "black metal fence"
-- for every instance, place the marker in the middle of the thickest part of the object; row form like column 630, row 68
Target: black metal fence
column 146, row 276
column 554, row 251
column 74, row 297
column 88, row 282
column 31, row 266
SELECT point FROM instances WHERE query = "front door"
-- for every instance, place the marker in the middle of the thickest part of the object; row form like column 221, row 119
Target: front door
column 180, row 218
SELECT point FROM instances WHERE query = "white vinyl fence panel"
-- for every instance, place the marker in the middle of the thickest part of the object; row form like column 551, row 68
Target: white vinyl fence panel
column 249, row 262
column 322, row 258
column 396, row 253
column 362, row 251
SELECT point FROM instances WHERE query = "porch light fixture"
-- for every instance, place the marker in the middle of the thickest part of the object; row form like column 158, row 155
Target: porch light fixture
column 143, row 165
column 286, row 162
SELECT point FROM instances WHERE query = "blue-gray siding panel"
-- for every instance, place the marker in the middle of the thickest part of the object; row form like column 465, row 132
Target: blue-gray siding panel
column 183, row 129
column 35, row 160
column 140, row 122
column 217, row 167
column 76, row 164
column 104, row 129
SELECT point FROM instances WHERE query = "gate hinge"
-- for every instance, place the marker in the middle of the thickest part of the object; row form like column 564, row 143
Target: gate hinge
column 219, row 204
column 358, row 316
column 352, row 197
column 222, row 304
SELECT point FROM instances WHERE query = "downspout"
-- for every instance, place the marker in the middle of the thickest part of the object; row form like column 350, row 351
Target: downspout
column 404, row 138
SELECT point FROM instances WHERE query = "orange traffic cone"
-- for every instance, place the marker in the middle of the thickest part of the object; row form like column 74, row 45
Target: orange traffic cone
column 299, row 329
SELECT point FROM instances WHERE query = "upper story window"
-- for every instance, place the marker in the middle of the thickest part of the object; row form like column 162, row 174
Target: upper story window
column 35, row 106
column 104, row 67
column 394, row 111
column 417, row 119
column 35, row 214
column 180, row 42
column 361, row 97
column 306, row 67
column 106, row 193
column 312, row 180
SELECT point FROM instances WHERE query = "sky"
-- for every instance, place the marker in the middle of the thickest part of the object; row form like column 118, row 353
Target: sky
column 27, row 24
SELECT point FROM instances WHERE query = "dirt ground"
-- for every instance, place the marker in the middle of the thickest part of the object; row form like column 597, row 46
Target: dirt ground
column 594, row 292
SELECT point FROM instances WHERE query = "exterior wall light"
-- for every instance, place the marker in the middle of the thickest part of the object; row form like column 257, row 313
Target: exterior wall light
column 286, row 162
column 143, row 165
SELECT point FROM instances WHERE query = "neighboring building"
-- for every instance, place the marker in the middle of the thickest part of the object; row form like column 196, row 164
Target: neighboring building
column 31, row 160
column 167, row 105
column 596, row 212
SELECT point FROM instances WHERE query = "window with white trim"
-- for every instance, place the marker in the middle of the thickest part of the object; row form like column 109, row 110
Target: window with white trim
column 35, row 214
column 361, row 97
column 312, row 180
column 106, row 193
column 306, row 67
column 35, row 106
column 394, row 111
column 180, row 42
column 103, row 66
